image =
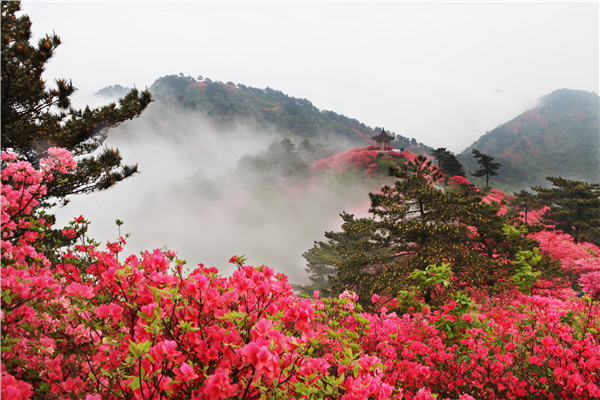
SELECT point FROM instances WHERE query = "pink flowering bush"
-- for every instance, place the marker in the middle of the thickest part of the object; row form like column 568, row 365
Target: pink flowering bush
column 499, row 197
column 579, row 261
column 590, row 283
column 87, row 324
column 358, row 158
column 574, row 257
column 458, row 180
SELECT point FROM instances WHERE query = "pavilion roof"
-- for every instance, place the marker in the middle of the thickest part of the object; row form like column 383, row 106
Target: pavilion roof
column 383, row 136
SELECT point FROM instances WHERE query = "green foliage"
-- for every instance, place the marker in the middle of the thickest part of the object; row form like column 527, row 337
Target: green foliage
column 525, row 277
column 432, row 275
column 35, row 118
column 424, row 284
column 487, row 167
column 419, row 232
column 389, row 163
column 448, row 163
column 574, row 208
column 528, row 258
column 347, row 259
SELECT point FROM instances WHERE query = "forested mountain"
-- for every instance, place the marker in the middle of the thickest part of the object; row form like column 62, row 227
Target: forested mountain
column 559, row 137
column 229, row 104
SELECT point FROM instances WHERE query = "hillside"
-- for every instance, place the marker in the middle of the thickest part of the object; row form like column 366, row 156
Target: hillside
column 559, row 137
column 366, row 161
column 227, row 105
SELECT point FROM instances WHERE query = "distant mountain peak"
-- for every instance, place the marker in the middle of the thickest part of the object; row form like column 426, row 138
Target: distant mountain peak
column 559, row 137
column 568, row 99
column 226, row 104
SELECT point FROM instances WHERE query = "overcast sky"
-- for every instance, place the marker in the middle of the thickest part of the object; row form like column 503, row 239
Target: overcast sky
column 444, row 73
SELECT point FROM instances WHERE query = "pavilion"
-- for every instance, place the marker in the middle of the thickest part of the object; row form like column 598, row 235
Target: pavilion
column 384, row 139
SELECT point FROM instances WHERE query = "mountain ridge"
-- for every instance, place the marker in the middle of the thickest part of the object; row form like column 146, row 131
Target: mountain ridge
column 558, row 137
column 225, row 104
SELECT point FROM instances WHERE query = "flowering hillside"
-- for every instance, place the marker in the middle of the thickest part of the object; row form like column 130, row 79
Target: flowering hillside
column 86, row 322
column 357, row 158
column 367, row 160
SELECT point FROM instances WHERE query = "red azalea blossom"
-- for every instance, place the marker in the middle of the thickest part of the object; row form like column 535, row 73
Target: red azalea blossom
column 185, row 373
column 69, row 233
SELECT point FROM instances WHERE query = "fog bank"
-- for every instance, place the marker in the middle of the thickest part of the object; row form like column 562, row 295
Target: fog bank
column 192, row 195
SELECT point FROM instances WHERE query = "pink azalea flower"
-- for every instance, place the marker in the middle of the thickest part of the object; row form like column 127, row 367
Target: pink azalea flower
column 69, row 233
column 78, row 290
column 218, row 385
column 185, row 373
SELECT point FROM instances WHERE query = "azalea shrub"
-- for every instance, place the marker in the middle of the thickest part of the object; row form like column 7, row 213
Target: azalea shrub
column 83, row 321
column 368, row 161
column 579, row 261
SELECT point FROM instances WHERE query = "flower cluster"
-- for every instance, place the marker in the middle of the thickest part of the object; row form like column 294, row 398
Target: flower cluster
column 359, row 158
column 590, row 283
column 574, row 257
column 84, row 324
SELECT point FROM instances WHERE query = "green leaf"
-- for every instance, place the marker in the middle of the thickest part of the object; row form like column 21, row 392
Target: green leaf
column 134, row 349
column 7, row 297
column 144, row 346
column 135, row 383
column 233, row 315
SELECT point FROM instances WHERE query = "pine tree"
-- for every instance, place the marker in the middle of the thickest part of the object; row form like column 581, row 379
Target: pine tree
column 525, row 201
column 339, row 263
column 487, row 166
column 35, row 117
column 415, row 224
column 574, row 208
column 448, row 163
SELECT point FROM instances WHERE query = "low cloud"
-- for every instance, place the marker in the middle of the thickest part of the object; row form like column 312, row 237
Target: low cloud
column 194, row 196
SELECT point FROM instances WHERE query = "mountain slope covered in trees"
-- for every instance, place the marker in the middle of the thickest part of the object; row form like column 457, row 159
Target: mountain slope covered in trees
column 560, row 137
column 228, row 104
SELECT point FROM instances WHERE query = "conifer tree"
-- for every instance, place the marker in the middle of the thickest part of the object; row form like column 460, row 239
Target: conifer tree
column 487, row 166
column 338, row 263
column 413, row 225
column 36, row 117
column 525, row 201
column 448, row 163
column 574, row 207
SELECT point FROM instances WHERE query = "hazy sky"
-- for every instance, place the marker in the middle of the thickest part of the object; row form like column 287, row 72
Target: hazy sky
column 443, row 73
